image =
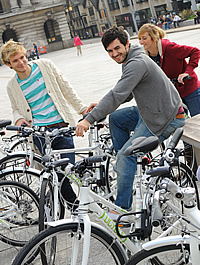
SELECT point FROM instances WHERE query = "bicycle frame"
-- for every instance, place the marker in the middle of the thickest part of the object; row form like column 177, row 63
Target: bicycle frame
column 89, row 201
column 191, row 218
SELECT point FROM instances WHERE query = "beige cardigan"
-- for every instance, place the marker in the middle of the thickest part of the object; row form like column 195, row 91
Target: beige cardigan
column 59, row 89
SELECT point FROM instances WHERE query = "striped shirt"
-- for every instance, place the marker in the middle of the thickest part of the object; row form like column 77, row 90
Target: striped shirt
column 42, row 107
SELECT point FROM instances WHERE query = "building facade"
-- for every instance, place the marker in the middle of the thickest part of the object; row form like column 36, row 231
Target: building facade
column 94, row 16
column 53, row 23
column 40, row 21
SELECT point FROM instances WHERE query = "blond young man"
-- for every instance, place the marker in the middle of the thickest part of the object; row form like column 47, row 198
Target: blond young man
column 40, row 95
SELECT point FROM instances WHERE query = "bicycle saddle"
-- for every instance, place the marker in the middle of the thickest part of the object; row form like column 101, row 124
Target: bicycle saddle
column 142, row 145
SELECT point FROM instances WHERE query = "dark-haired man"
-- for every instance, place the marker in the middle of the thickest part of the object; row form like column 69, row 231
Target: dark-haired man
column 158, row 112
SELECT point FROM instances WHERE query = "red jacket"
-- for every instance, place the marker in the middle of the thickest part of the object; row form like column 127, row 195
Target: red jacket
column 77, row 41
column 173, row 63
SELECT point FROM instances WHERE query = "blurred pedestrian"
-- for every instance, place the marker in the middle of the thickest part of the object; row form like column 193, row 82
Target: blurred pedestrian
column 87, row 34
column 197, row 17
column 78, row 43
column 36, row 50
column 176, row 20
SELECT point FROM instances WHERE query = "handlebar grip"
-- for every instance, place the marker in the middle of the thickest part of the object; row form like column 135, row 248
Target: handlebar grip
column 95, row 159
column 156, row 213
column 175, row 138
column 14, row 128
column 187, row 77
column 175, row 80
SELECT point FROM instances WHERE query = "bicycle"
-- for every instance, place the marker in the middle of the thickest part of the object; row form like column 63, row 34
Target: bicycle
column 49, row 183
column 97, row 144
column 81, row 229
column 179, row 249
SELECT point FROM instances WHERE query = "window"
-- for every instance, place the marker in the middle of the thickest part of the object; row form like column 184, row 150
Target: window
column 113, row 4
column 100, row 16
column 85, row 20
column 91, row 11
column 125, row 3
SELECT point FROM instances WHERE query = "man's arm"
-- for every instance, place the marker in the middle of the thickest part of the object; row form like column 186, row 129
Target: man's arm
column 18, row 118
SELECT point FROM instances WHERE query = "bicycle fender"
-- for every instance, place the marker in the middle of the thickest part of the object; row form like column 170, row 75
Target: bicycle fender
column 165, row 241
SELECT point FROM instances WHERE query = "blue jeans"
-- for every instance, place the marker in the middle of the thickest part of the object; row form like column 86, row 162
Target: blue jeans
column 58, row 143
column 193, row 102
column 122, row 122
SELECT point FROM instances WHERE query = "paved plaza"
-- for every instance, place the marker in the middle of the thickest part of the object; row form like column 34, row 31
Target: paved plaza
column 92, row 75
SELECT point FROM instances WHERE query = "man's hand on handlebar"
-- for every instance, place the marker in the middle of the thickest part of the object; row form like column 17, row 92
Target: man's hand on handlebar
column 20, row 122
column 81, row 127
column 181, row 76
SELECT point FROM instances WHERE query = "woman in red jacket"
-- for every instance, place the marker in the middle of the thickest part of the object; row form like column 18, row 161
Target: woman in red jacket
column 77, row 43
column 171, row 58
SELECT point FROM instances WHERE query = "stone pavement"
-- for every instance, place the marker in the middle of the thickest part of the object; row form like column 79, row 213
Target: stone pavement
column 92, row 75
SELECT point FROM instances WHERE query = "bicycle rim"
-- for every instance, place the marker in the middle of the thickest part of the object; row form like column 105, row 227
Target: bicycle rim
column 18, row 213
column 28, row 177
column 14, row 160
column 57, row 247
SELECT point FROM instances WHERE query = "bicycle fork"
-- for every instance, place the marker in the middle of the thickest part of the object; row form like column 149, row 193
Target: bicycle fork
column 85, row 236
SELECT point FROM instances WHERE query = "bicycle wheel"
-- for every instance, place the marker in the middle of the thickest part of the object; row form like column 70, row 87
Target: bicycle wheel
column 173, row 254
column 18, row 143
column 29, row 177
column 21, row 159
column 58, row 241
column 46, row 203
column 18, row 213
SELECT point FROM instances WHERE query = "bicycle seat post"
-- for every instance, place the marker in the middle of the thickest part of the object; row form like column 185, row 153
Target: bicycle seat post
column 138, row 202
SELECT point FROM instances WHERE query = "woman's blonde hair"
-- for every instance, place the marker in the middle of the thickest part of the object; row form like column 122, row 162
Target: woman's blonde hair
column 11, row 48
column 154, row 32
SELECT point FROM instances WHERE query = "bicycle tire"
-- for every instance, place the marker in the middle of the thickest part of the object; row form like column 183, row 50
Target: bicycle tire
column 21, row 205
column 103, row 247
column 46, row 206
column 29, row 177
column 18, row 143
column 20, row 160
column 164, row 255
column 110, row 178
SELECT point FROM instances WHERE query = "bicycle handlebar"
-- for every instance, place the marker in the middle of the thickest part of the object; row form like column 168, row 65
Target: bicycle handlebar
column 156, row 213
column 175, row 80
column 175, row 138
column 166, row 185
column 95, row 159
column 41, row 130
